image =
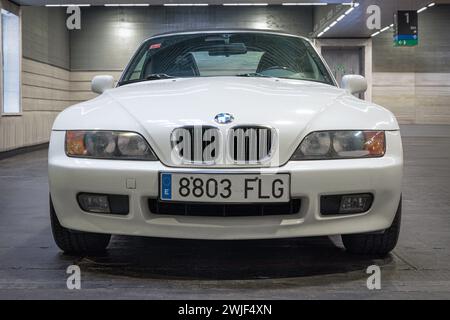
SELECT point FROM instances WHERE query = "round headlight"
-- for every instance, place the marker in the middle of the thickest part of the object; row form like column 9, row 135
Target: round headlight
column 131, row 144
column 349, row 143
column 100, row 144
column 315, row 144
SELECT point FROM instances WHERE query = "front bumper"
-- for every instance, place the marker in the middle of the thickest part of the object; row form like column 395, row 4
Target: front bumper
column 309, row 180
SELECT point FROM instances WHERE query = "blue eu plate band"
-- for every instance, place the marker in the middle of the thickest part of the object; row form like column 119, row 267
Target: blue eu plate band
column 166, row 186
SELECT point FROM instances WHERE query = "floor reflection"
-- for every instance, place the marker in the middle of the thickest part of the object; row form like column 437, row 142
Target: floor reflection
column 225, row 260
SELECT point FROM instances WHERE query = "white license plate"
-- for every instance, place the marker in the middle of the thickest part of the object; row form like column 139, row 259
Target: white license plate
column 237, row 188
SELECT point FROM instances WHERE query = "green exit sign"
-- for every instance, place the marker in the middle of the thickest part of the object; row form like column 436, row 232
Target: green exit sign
column 406, row 43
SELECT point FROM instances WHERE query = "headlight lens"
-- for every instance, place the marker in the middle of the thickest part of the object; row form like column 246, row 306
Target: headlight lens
column 341, row 145
column 317, row 144
column 108, row 145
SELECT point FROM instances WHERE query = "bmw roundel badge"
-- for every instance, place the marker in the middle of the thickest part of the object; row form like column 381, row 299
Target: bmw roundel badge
column 223, row 118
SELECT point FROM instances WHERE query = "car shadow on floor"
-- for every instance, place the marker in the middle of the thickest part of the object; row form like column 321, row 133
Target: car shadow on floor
column 158, row 258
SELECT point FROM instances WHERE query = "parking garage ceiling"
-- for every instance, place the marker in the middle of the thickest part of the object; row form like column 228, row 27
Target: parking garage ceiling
column 405, row 3
column 211, row 2
column 353, row 26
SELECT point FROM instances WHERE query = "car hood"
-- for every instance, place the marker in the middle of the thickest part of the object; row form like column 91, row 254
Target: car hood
column 294, row 108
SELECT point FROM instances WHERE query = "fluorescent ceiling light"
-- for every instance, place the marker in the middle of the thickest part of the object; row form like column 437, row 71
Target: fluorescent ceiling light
column 375, row 34
column 382, row 30
column 304, row 4
column 431, row 5
column 127, row 5
column 67, row 5
column 340, row 18
column 422, row 10
column 245, row 4
column 353, row 6
column 349, row 10
column 185, row 4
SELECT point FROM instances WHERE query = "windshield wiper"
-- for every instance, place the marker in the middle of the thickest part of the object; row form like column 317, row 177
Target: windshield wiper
column 153, row 76
column 253, row 74
column 158, row 76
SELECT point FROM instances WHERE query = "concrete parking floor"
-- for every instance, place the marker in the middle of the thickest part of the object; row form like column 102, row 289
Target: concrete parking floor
column 31, row 266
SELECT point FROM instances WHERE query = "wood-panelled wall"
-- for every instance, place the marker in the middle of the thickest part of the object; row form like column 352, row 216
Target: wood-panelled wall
column 422, row 98
column 80, row 84
column 46, row 91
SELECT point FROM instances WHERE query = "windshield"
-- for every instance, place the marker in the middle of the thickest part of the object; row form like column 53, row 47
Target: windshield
column 226, row 54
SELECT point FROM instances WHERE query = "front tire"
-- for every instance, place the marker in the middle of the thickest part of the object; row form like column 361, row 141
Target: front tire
column 377, row 244
column 76, row 242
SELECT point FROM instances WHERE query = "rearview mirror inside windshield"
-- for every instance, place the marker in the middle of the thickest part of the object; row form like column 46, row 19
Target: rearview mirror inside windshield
column 227, row 49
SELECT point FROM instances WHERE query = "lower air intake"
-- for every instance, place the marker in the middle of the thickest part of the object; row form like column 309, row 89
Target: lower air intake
column 224, row 210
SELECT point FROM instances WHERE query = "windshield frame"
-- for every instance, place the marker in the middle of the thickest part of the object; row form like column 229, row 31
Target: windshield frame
column 133, row 59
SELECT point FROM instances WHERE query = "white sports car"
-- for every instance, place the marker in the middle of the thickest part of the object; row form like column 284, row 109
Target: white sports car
column 230, row 134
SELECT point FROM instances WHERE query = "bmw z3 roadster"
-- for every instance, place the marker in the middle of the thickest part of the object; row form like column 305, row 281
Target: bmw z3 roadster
column 224, row 135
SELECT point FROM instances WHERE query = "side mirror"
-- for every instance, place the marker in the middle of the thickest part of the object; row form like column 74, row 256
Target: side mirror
column 354, row 83
column 101, row 83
